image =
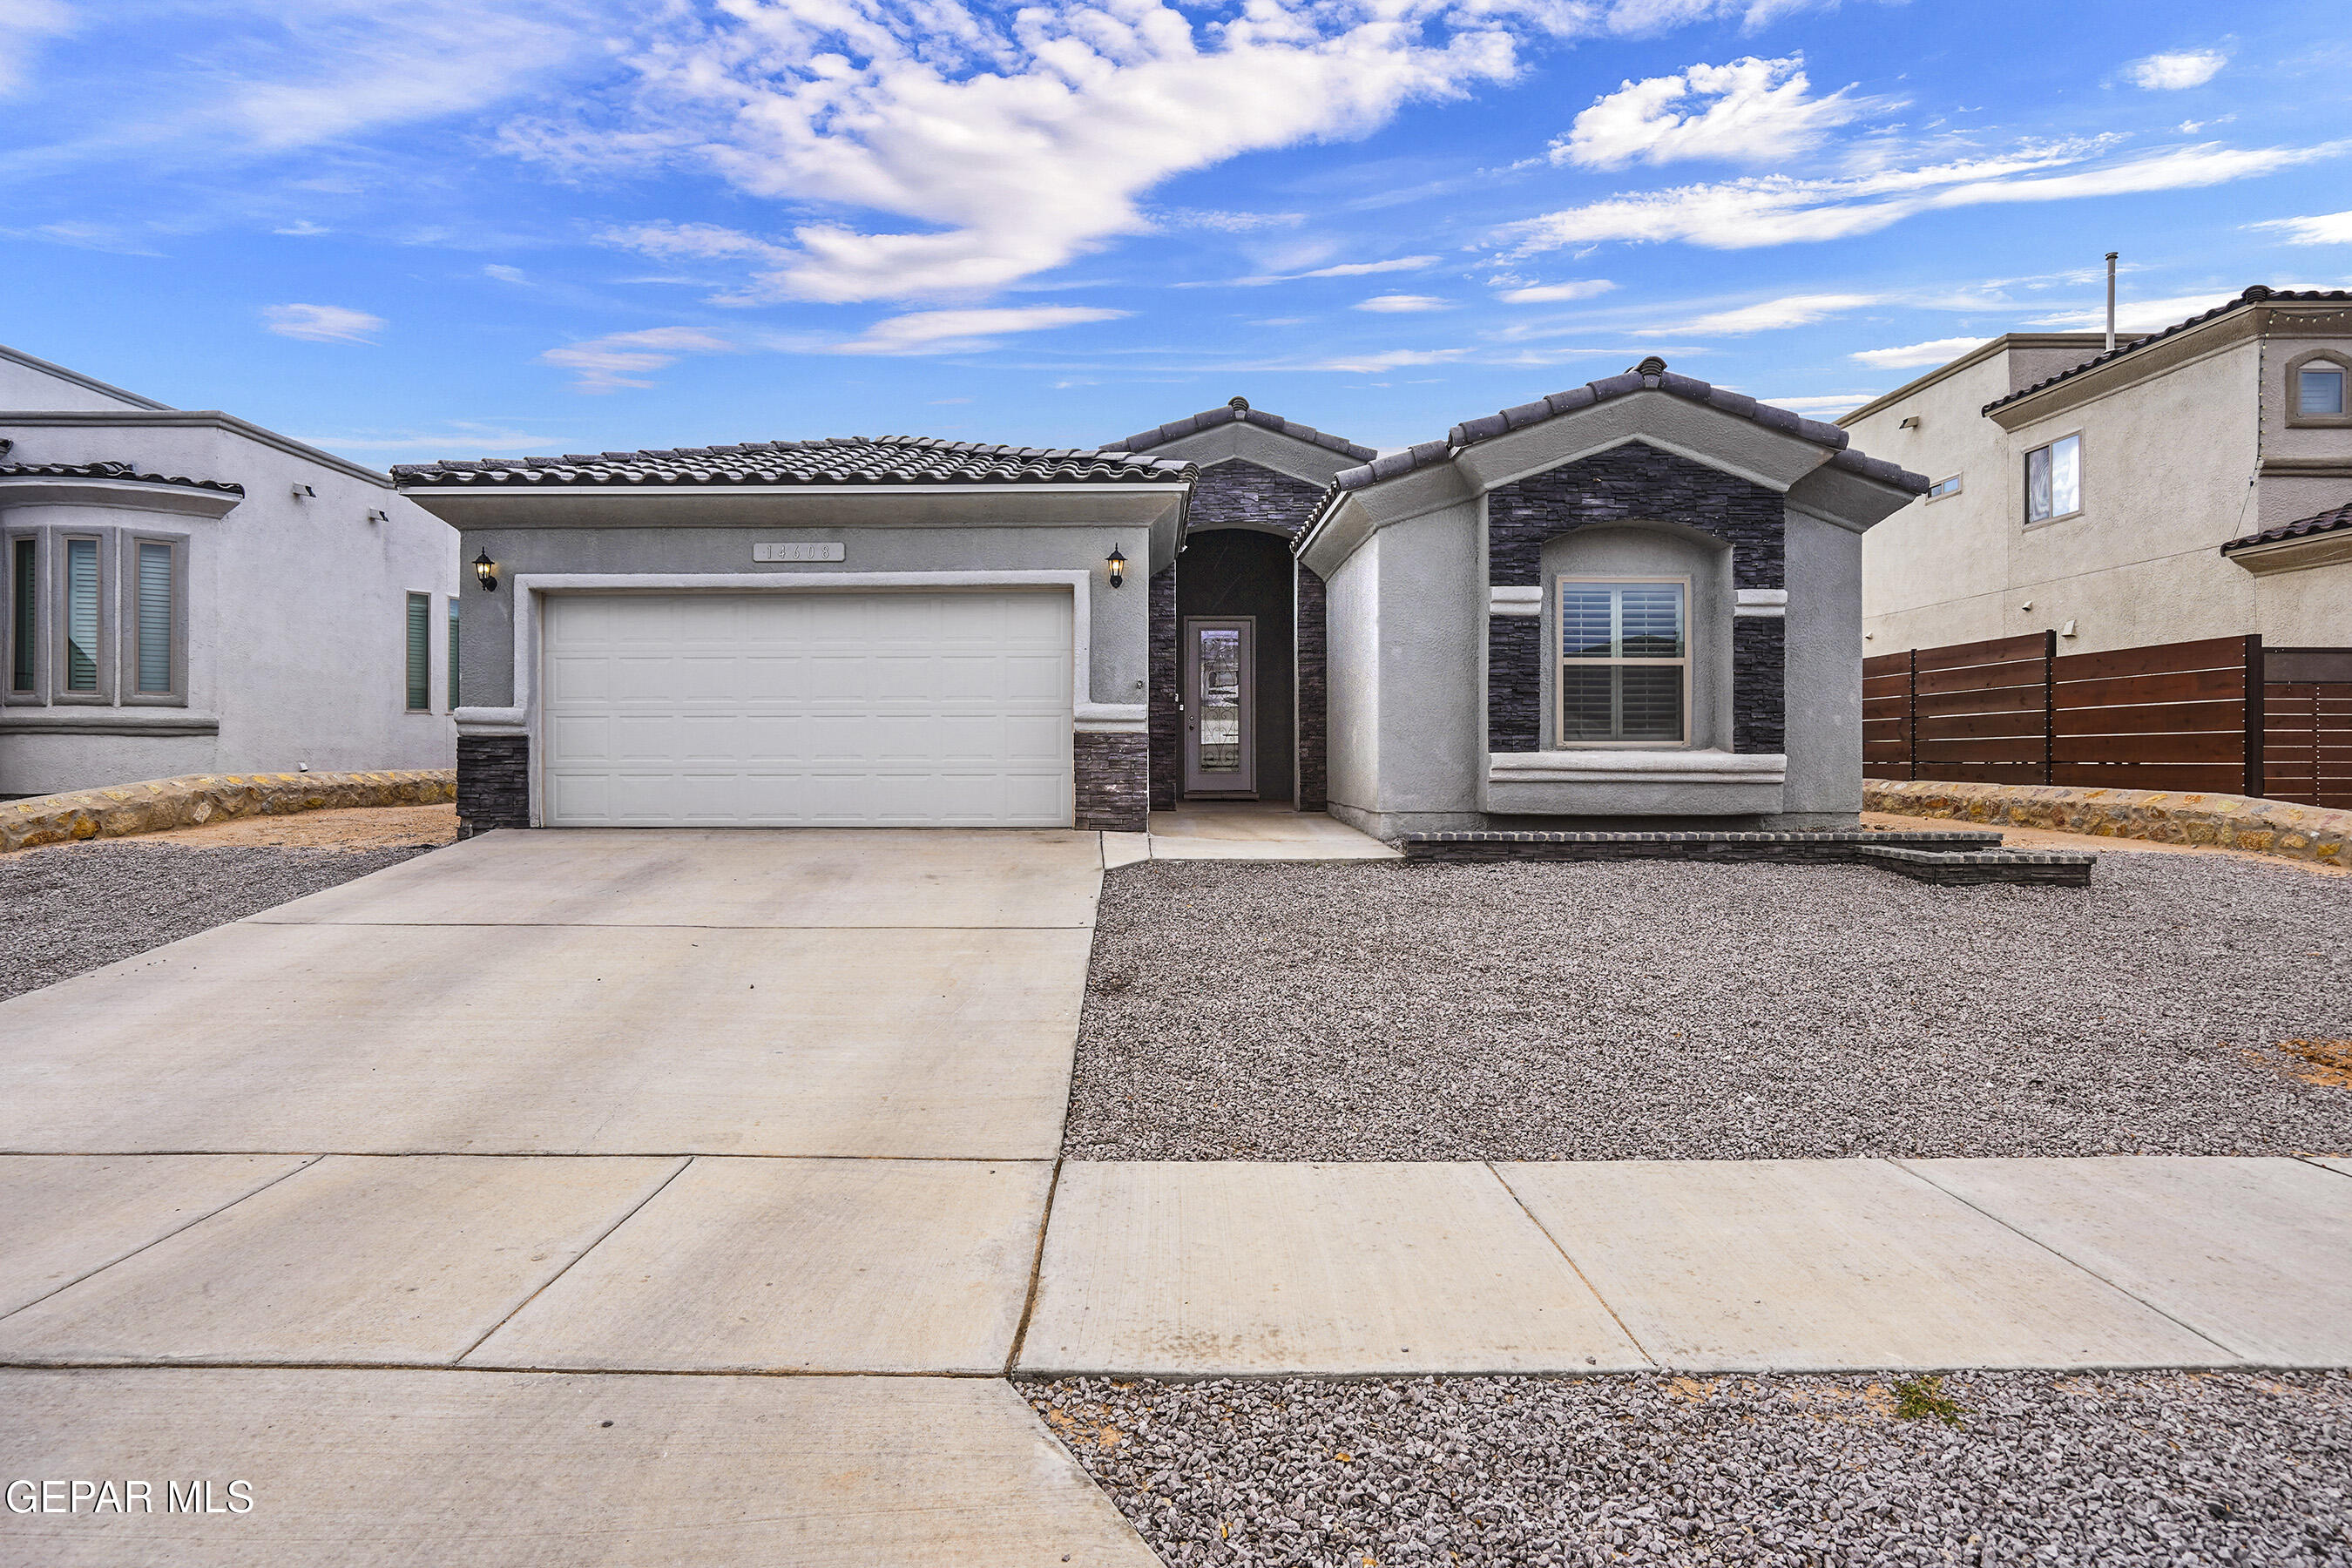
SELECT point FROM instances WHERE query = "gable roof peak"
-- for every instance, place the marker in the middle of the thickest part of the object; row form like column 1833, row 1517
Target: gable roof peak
column 1237, row 410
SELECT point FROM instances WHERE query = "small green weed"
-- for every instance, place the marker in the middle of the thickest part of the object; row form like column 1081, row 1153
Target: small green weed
column 1924, row 1399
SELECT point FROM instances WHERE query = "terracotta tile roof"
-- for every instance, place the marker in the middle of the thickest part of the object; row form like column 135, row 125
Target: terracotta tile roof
column 834, row 461
column 2329, row 521
column 112, row 471
column 1238, row 409
column 2256, row 294
column 1651, row 374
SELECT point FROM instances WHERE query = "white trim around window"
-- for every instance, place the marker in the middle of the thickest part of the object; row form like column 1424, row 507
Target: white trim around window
column 1619, row 612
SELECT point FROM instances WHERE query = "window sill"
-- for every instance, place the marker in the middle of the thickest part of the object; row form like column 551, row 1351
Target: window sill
column 2033, row 523
column 80, row 720
column 1615, row 764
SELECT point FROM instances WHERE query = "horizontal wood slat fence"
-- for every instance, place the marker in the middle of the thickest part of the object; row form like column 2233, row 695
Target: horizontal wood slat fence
column 2221, row 716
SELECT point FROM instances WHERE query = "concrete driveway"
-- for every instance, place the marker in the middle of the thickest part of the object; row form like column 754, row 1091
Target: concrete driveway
column 388, row 1202
column 859, row 994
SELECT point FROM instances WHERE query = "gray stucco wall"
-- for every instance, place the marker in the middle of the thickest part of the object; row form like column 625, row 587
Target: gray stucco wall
column 1352, row 653
column 1823, row 628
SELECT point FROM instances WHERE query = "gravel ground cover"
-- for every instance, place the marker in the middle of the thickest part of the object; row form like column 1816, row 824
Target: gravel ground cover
column 72, row 908
column 1668, row 1010
column 2118, row 1471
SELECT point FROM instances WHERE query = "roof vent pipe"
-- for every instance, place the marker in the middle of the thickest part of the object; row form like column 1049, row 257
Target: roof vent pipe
column 2111, row 301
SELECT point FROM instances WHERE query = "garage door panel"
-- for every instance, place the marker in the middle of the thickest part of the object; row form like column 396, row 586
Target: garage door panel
column 947, row 708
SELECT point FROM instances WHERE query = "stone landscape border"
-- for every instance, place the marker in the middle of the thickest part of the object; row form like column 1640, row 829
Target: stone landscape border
column 2162, row 816
column 157, row 804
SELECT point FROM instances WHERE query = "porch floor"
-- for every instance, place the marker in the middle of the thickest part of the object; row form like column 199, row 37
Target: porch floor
column 1242, row 830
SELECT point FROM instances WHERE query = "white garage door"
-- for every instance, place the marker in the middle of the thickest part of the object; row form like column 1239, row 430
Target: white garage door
column 814, row 708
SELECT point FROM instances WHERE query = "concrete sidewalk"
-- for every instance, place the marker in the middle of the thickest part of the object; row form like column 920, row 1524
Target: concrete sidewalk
column 1244, row 830
column 1246, row 1269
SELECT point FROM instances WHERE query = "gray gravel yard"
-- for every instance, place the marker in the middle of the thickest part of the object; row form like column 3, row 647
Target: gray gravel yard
column 1667, row 1010
column 72, row 908
column 2118, row 1471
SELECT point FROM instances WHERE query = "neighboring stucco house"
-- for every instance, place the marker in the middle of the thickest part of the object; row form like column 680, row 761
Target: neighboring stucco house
column 2195, row 483
column 191, row 594
column 1636, row 604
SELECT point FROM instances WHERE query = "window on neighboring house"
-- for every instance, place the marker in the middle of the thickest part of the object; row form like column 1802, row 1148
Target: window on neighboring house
column 81, row 615
column 1624, row 669
column 453, row 653
column 2053, row 480
column 420, row 653
column 154, row 626
column 1943, row 488
column 24, row 612
column 2319, row 390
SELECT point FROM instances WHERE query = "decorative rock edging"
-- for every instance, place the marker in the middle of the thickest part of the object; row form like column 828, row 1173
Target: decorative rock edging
column 2162, row 816
column 185, row 802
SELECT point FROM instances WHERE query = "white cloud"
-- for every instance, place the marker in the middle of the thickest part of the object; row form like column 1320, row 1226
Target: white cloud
column 1361, row 269
column 1935, row 350
column 1403, row 304
column 2170, row 73
column 1551, row 293
column 622, row 359
column 1769, row 315
column 1782, row 209
column 692, row 241
column 2326, row 228
column 2134, row 315
column 24, row 23
column 1010, row 142
column 1835, row 403
column 301, row 229
column 1226, row 222
column 321, row 324
column 961, row 331
column 1755, row 111
column 506, row 274
column 1393, row 359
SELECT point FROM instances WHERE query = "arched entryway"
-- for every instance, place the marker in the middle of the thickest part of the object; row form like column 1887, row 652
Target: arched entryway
column 1236, row 666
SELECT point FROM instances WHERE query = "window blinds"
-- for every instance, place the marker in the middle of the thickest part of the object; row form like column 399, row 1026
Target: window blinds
column 81, row 615
column 420, row 652
column 154, row 618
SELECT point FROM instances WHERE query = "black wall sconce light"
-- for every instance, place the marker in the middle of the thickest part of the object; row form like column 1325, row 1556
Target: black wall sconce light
column 1117, row 564
column 486, row 573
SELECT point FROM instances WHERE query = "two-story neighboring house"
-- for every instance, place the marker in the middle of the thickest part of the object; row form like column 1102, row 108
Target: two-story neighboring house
column 188, row 593
column 2196, row 483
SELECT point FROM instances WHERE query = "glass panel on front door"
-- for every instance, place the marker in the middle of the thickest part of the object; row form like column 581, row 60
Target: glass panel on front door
column 1219, row 685
column 1221, row 700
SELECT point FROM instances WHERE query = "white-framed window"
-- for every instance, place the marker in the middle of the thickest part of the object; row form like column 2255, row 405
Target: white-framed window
column 2319, row 390
column 2053, row 480
column 453, row 653
column 1625, row 661
column 1946, row 487
column 419, row 628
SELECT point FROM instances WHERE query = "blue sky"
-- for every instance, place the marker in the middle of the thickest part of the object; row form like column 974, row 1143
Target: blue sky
column 473, row 227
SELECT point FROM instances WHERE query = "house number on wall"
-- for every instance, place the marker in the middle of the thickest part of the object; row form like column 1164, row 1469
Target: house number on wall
column 796, row 552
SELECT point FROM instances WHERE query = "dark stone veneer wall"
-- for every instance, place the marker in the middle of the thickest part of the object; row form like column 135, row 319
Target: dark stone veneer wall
column 493, row 782
column 1165, row 720
column 1634, row 482
column 1314, row 696
column 1114, row 777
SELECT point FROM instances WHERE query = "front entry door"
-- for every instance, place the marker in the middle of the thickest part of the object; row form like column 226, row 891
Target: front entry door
column 1220, row 693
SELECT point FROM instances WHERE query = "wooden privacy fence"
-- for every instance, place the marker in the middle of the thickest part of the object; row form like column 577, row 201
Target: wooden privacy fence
column 2221, row 716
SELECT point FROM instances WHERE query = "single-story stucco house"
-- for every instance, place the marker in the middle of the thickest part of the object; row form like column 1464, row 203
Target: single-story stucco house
column 1634, row 605
column 188, row 593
